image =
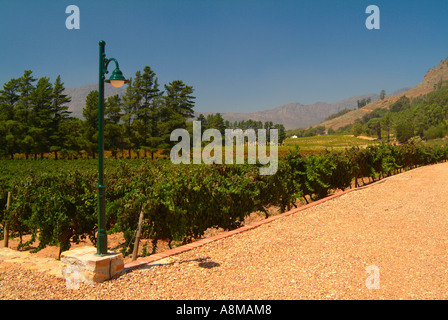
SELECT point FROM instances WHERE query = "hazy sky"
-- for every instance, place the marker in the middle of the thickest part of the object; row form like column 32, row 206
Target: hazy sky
column 240, row 56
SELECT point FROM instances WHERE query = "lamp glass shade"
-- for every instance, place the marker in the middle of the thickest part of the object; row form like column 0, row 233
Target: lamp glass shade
column 117, row 79
column 117, row 83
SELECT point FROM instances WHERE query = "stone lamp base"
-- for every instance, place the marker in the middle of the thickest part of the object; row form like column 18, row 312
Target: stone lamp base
column 83, row 264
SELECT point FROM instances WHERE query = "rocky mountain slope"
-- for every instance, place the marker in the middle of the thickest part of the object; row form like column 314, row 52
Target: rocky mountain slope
column 430, row 82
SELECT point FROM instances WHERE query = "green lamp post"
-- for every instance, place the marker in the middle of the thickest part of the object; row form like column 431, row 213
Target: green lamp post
column 117, row 80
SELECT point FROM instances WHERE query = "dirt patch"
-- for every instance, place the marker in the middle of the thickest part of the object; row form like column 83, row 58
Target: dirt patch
column 116, row 242
column 363, row 137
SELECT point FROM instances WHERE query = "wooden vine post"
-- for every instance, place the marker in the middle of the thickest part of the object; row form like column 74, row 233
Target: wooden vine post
column 137, row 237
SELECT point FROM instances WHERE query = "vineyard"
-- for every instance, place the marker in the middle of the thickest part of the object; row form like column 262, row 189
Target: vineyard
column 55, row 202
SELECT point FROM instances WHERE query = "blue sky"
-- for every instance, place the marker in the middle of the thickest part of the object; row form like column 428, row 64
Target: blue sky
column 240, row 56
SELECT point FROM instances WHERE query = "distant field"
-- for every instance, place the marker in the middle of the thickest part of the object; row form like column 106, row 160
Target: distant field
column 319, row 143
column 307, row 145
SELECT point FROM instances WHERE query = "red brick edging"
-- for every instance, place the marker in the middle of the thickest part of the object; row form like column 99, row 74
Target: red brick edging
column 161, row 255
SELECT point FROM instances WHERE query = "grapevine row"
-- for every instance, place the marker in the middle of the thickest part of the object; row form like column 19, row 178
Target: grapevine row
column 180, row 202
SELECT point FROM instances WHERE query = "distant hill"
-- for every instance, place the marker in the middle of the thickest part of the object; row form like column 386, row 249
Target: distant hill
column 296, row 115
column 429, row 83
column 291, row 115
column 79, row 96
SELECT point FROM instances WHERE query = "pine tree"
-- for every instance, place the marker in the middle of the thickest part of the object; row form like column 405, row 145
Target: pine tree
column 39, row 129
column 59, row 113
column 147, row 112
column 23, row 110
column 8, row 99
column 129, row 107
column 176, row 109
column 178, row 98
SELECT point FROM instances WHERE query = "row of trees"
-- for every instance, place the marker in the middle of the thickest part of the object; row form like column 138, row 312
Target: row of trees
column 34, row 117
column 143, row 118
column 216, row 121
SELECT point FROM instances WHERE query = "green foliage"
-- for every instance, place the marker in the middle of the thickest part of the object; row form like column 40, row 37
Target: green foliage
column 404, row 131
column 402, row 104
column 56, row 203
column 435, row 132
column 357, row 129
column 425, row 116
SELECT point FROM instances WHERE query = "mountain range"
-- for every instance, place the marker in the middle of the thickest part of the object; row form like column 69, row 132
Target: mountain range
column 295, row 115
column 292, row 115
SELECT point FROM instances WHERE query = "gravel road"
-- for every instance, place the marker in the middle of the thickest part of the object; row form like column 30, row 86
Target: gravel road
column 397, row 228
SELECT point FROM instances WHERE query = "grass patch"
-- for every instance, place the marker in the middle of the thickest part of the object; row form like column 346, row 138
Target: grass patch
column 320, row 143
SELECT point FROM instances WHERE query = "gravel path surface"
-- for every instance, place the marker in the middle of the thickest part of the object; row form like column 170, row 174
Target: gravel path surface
column 398, row 227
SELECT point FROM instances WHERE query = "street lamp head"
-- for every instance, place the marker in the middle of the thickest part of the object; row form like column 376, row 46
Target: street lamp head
column 117, row 79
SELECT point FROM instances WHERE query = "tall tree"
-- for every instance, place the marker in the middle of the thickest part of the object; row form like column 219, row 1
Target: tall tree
column 178, row 98
column 40, row 118
column 129, row 107
column 23, row 110
column 147, row 113
column 59, row 113
column 177, row 107
column 25, row 88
